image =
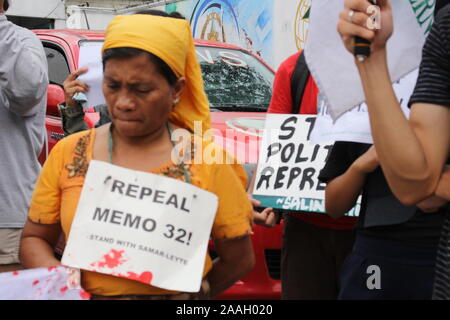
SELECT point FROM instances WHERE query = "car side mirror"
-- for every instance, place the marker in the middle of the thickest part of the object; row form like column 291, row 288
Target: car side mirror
column 55, row 95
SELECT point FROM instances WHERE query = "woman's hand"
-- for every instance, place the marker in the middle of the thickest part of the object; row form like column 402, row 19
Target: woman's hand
column 267, row 218
column 441, row 196
column 432, row 204
column 443, row 188
column 338, row 203
column 73, row 86
column 373, row 23
column 367, row 162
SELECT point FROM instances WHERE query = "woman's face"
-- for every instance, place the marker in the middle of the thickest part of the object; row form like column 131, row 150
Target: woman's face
column 139, row 98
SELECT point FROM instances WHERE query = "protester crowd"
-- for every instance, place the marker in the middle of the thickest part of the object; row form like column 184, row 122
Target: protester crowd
column 152, row 85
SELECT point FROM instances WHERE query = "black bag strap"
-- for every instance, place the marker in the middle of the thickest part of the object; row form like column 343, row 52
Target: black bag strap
column 298, row 82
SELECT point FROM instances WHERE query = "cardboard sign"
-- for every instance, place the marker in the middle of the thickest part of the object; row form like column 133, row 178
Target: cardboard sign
column 57, row 283
column 289, row 166
column 141, row 226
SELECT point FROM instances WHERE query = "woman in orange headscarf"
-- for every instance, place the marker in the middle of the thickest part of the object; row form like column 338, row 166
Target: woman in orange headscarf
column 152, row 85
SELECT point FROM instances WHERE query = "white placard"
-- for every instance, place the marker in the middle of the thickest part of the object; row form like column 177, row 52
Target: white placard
column 354, row 125
column 289, row 166
column 142, row 227
column 333, row 67
column 91, row 57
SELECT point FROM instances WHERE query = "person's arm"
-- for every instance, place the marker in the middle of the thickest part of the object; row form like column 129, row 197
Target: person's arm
column 72, row 119
column 235, row 260
column 37, row 245
column 443, row 188
column 342, row 192
column 71, row 111
column 266, row 218
column 432, row 204
column 231, row 230
column 412, row 153
column 21, row 52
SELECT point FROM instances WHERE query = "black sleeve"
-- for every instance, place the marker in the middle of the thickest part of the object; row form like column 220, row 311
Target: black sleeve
column 433, row 84
column 104, row 115
column 72, row 119
column 338, row 161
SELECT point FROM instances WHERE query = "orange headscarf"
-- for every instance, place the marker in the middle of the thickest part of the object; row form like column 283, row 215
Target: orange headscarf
column 171, row 40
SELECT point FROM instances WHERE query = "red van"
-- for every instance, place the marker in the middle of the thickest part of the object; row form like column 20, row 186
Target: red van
column 239, row 87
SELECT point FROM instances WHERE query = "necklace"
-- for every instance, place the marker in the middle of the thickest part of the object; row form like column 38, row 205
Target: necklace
column 187, row 177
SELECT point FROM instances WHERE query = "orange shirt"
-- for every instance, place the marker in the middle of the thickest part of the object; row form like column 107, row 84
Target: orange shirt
column 58, row 190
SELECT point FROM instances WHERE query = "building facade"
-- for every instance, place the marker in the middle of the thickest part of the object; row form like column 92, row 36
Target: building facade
column 272, row 29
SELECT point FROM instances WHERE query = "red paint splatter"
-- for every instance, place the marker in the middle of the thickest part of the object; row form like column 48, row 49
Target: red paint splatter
column 15, row 273
column 111, row 259
column 145, row 277
column 85, row 295
column 35, row 282
column 64, row 289
column 50, row 269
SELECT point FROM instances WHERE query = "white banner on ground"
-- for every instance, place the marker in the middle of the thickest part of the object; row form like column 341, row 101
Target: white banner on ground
column 354, row 125
column 289, row 166
column 333, row 67
column 57, row 283
column 141, row 226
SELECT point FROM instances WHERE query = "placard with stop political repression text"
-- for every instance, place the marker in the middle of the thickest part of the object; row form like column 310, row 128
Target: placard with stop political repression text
column 289, row 166
column 141, row 226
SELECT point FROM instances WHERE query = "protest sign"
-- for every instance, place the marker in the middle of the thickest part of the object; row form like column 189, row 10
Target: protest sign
column 91, row 57
column 289, row 166
column 56, row 283
column 141, row 226
column 333, row 67
column 354, row 125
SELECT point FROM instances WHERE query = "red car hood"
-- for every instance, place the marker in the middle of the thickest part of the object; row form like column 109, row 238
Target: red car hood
column 239, row 133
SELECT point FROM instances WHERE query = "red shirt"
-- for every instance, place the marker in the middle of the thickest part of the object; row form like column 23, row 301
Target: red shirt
column 281, row 102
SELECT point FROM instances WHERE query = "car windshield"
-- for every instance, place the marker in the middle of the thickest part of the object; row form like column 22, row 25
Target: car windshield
column 234, row 80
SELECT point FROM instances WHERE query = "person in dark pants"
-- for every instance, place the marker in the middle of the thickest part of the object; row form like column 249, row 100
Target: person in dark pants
column 395, row 247
column 412, row 152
